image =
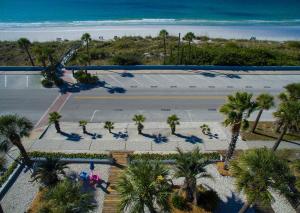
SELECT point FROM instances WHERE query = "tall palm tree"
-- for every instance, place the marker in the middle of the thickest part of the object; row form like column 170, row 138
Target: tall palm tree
column 139, row 119
column 86, row 37
column 144, row 184
column 83, row 124
column 12, row 129
column 288, row 114
column 109, row 126
column 264, row 102
column 189, row 37
column 237, row 110
column 41, row 55
column 163, row 34
column 258, row 170
column 68, row 196
column 83, row 60
column 190, row 165
column 54, row 117
column 173, row 120
column 24, row 44
column 47, row 172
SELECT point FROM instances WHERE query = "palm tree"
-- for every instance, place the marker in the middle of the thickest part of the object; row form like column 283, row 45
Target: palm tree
column 24, row 44
column 144, row 184
column 163, row 34
column 86, row 37
column 237, row 110
column 264, row 102
column 83, row 60
column 47, row 172
column 68, row 196
column 173, row 120
column 189, row 37
column 139, row 119
column 292, row 92
column 83, row 124
column 41, row 55
column 12, row 129
column 258, row 170
column 190, row 165
column 109, row 126
column 288, row 114
column 54, row 117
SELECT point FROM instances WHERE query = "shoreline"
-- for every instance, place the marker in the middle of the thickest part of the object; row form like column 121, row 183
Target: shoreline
column 51, row 33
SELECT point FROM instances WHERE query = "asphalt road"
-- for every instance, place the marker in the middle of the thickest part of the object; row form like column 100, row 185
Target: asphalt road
column 191, row 97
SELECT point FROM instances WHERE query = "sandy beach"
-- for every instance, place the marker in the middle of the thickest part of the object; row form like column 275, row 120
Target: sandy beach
column 49, row 33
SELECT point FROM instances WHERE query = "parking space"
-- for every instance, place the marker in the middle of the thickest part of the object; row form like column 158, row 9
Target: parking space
column 20, row 82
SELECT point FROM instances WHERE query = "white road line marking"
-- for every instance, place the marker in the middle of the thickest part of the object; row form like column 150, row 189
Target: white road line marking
column 91, row 120
column 46, row 112
column 5, row 81
column 27, row 79
column 189, row 114
column 136, row 81
column 151, row 79
column 119, row 82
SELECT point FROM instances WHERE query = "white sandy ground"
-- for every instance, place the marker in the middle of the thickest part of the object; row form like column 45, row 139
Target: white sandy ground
column 48, row 33
column 22, row 193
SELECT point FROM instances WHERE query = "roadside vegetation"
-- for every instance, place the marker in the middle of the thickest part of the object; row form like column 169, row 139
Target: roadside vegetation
column 163, row 49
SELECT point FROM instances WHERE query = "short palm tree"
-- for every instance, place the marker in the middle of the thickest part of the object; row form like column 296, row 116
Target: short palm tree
column 164, row 34
column 86, row 37
column 173, row 120
column 83, row 124
column 264, row 102
column 258, row 170
column 144, row 184
column 109, row 126
column 288, row 114
column 47, row 172
column 68, row 196
column 190, row 166
column 12, row 129
column 24, row 44
column 54, row 117
column 237, row 110
column 139, row 119
column 189, row 37
column 292, row 92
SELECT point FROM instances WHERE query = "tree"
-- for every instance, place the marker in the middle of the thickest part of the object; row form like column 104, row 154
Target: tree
column 24, row 44
column 189, row 37
column 83, row 60
column 292, row 92
column 54, row 117
column 173, row 120
column 83, row 124
column 258, row 170
column 86, row 37
column 288, row 114
column 144, row 184
column 47, row 172
column 237, row 110
column 190, row 166
column 109, row 126
column 12, row 129
column 163, row 34
column 68, row 196
column 264, row 102
column 139, row 119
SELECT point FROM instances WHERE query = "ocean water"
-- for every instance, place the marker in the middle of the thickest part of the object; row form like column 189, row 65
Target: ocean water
column 151, row 12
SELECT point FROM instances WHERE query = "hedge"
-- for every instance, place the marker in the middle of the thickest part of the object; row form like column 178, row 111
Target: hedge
column 38, row 154
column 8, row 172
column 149, row 156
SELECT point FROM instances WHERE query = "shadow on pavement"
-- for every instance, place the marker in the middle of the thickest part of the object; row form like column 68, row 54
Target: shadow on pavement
column 191, row 139
column 159, row 138
column 72, row 136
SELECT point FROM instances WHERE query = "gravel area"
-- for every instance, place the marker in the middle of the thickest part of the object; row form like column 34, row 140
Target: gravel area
column 20, row 195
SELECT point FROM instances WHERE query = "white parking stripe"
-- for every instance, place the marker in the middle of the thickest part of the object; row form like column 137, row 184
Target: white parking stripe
column 168, row 79
column 151, row 79
column 136, row 81
column 116, row 80
column 5, row 81
column 27, row 79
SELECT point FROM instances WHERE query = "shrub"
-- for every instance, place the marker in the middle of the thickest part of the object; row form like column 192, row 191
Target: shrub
column 179, row 202
column 126, row 59
column 47, row 83
column 38, row 154
column 58, row 82
column 85, row 78
column 8, row 172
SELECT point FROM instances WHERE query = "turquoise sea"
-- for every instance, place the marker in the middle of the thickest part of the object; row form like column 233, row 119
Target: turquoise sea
column 171, row 12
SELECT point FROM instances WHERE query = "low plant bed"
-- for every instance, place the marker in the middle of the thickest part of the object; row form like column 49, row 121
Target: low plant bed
column 8, row 172
column 85, row 78
column 266, row 130
column 38, row 154
column 36, row 204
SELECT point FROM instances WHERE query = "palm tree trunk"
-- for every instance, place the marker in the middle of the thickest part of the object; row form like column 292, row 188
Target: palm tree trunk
column 245, row 207
column 57, row 127
column 15, row 140
column 151, row 208
column 1, row 210
column 178, row 49
column 29, row 56
column 173, row 129
column 84, row 129
column 189, row 52
column 234, row 137
column 280, row 138
column 257, row 120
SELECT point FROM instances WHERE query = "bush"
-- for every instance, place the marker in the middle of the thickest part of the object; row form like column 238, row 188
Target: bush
column 85, row 78
column 126, row 59
column 58, row 82
column 38, row 154
column 8, row 172
column 47, row 83
column 179, row 202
